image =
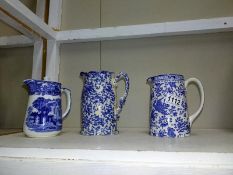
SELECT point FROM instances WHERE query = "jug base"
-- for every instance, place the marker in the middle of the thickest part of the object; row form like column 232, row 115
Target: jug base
column 98, row 133
column 40, row 135
column 32, row 134
column 168, row 136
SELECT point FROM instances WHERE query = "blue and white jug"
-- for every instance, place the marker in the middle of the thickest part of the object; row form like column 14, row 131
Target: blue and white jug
column 44, row 113
column 99, row 108
column 168, row 109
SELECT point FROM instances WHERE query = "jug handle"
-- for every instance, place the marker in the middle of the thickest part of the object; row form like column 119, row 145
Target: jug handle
column 194, row 116
column 67, row 93
column 120, row 76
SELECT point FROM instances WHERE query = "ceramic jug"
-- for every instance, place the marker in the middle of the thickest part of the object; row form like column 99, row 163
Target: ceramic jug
column 168, row 109
column 99, row 108
column 44, row 113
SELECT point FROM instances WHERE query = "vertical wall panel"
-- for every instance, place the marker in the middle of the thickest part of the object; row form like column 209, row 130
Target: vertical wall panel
column 126, row 12
column 78, row 14
column 15, row 66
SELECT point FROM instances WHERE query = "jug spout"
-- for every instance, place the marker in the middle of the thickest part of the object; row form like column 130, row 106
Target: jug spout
column 149, row 80
column 30, row 84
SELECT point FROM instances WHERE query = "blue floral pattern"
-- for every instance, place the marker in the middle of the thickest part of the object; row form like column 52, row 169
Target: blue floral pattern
column 168, row 114
column 98, row 103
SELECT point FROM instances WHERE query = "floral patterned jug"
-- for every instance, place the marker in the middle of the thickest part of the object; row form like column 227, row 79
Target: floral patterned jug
column 43, row 116
column 100, row 112
column 168, row 112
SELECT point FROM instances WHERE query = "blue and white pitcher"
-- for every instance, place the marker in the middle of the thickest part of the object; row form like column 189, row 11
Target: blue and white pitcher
column 43, row 116
column 100, row 111
column 169, row 112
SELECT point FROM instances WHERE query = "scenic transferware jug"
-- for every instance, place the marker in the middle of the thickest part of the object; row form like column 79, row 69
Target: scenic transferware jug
column 44, row 112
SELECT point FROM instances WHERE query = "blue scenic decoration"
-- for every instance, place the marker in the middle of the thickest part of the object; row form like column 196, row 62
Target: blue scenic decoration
column 44, row 112
column 44, row 115
column 168, row 113
column 98, row 102
column 40, row 87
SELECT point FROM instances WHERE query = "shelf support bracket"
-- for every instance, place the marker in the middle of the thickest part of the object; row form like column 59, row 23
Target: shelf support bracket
column 53, row 47
column 17, row 10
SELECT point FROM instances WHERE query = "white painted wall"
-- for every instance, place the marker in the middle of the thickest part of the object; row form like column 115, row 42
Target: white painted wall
column 15, row 66
column 6, row 30
column 190, row 55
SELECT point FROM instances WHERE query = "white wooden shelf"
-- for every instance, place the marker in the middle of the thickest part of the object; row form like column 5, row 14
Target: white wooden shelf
column 187, row 27
column 204, row 140
column 133, row 151
column 15, row 41
column 9, row 131
column 203, row 149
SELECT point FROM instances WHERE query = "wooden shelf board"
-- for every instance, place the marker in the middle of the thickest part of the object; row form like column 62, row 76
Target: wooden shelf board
column 15, row 41
column 188, row 27
column 208, row 148
column 204, row 140
column 9, row 131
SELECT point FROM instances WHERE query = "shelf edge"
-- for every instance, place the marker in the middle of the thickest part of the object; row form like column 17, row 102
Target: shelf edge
column 198, row 26
column 188, row 159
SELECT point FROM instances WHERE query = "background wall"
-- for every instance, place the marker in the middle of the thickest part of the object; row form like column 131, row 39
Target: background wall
column 15, row 66
column 6, row 30
column 207, row 57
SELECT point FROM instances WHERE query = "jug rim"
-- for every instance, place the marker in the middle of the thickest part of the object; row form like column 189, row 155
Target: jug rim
column 100, row 71
column 44, row 81
column 96, row 72
column 164, row 77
